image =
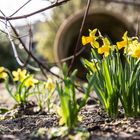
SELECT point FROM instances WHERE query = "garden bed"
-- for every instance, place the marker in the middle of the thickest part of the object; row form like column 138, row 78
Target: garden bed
column 95, row 120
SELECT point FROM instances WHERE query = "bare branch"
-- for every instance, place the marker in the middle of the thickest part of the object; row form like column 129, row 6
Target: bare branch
column 80, row 34
column 20, row 8
column 36, row 12
column 14, row 48
column 67, row 58
column 30, row 45
column 21, row 36
column 12, row 43
column 32, row 55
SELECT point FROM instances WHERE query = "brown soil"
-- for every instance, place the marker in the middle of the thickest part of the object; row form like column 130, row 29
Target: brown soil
column 18, row 126
column 97, row 123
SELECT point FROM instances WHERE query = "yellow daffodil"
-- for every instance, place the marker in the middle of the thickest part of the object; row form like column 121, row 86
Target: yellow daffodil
column 136, row 53
column 3, row 74
column 105, row 48
column 60, row 113
column 121, row 44
column 134, row 49
column 19, row 75
column 30, row 82
column 132, row 46
column 86, row 40
column 125, row 42
column 50, row 85
column 91, row 39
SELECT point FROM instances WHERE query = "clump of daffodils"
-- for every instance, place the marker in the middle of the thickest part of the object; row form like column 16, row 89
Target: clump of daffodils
column 131, row 46
column 93, row 40
column 21, row 75
column 116, row 73
column 25, row 85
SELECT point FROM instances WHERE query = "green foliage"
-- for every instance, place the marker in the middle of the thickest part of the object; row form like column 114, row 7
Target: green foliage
column 21, row 89
column 69, row 109
column 105, row 85
column 44, row 94
column 22, row 85
column 116, row 76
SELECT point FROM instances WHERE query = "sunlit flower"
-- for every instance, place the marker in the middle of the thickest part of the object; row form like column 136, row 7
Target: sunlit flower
column 3, row 74
column 105, row 48
column 86, row 40
column 121, row 44
column 125, row 42
column 136, row 53
column 60, row 113
column 134, row 49
column 19, row 75
column 91, row 39
column 50, row 84
column 30, row 82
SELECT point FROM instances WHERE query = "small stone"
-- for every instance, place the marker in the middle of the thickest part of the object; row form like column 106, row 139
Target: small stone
column 124, row 135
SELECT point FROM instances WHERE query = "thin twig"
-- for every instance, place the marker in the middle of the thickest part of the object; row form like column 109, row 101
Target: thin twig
column 22, row 36
column 66, row 58
column 20, row 62
column 29, row 51
column 72, row 56
column 38, row 61
column 14, row 48
column 32, row 55
column 36, row 12
column 4, row 23
column 20, row 8
column 43, row 72
column 12, row 43
column 30, row 45
column 80, row 34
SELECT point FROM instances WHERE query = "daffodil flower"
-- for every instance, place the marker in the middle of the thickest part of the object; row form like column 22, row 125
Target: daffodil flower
column 121, row 44
column 134, row 49
column 50, row 85
column 3, row 74
column 136, row 53
column 125, row 42
column 19, row 75
column 91, row 39
column 105, row 48
column 86, row 40
column 30, row 82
